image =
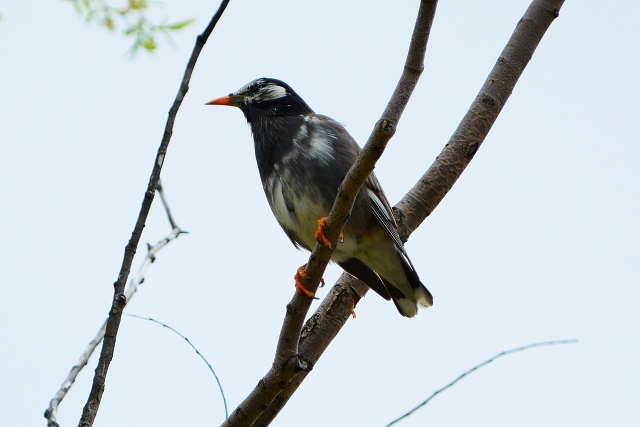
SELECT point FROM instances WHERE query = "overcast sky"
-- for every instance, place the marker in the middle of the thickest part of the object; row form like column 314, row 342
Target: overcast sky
column 537, row 241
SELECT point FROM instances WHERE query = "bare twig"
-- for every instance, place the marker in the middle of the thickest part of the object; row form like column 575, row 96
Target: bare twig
column 119, row 299
column 333, row 313
column 224, row 399
column 160, row 191
column 51, row 412
column 475, row 368
column 288, row 362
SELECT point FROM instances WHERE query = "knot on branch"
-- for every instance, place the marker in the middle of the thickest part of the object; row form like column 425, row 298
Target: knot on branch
column 120, row 300
column 489, row 101
column 471, row 149
column 308, row 327
column 303, row 364
column 414, row 67
column 240, row 414
column 291, row 310
column 388, row 126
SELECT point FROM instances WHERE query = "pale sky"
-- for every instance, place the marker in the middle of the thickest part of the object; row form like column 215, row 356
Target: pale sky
column 537, row 241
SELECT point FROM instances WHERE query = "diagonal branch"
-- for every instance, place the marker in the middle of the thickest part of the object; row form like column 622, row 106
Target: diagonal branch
column 287, row 362
column 423, row 198
column 51, row 413
column 334, row 311
column 119, row 299
column 475, row 368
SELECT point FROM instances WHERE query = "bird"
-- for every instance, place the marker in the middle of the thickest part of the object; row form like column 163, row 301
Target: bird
column 302, row 159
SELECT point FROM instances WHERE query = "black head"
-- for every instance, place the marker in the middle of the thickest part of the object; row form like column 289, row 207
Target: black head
column 265, row 97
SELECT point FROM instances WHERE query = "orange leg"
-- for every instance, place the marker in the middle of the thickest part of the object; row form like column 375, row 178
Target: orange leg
column 320, row 234
column 301, row 274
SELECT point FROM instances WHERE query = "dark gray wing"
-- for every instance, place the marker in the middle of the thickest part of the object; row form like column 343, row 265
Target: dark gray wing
column 383, row 213
column 358, row 269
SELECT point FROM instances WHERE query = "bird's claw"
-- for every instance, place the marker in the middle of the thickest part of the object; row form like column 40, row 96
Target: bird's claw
column 321, row 235
column 300, row 287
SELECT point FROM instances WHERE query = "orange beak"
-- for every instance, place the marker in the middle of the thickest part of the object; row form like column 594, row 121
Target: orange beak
column 223, row 100
column 231, row 100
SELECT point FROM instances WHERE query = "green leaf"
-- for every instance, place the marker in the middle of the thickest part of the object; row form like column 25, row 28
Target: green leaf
column 150, row 44
column 178, row 25
column 109, row 22
column 137, row 4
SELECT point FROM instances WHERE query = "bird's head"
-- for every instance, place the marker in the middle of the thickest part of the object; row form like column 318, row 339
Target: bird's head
column 265, row 97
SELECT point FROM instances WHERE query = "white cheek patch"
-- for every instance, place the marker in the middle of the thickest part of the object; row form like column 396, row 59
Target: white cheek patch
column 272, row 92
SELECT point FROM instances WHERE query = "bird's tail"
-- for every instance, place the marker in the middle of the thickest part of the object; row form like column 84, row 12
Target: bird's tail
column 407, row 305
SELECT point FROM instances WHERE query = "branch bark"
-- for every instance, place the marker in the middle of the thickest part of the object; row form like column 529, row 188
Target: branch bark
column 288, row 361
column 119, row 299
column 423, row 198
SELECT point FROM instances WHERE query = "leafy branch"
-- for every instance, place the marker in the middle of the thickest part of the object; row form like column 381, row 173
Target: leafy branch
column 132, row 18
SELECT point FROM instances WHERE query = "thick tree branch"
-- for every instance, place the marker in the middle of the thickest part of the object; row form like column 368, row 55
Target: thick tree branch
column 119, row 299
column 288, row 362
column 423, row 198
column 334, row 311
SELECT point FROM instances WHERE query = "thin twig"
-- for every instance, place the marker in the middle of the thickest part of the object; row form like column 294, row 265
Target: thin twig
column 224, row 399
column 160, row 191
column 51, row 413
column 119, row 299
column 334, row 311
column 475, row 368
column 288, row 362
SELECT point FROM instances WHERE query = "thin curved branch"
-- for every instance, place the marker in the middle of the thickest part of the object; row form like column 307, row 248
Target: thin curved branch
column 52, row 411
column 288, row 362
column 475, row 368
column 333, row 313
column 119, row 299
column 204, row 359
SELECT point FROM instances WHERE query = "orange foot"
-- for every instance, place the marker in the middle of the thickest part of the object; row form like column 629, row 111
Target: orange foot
column 320, row 234
column 300, row 275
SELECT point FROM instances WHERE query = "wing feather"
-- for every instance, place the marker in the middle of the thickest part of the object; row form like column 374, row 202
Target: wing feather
column 383, row 213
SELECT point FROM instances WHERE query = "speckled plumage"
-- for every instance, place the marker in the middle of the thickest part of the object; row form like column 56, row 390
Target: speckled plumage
column 302, row 159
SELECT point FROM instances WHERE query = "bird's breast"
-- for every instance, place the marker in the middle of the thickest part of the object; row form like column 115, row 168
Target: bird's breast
column 296, row 207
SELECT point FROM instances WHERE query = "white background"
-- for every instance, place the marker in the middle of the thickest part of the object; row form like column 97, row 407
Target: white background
column 538, row 240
